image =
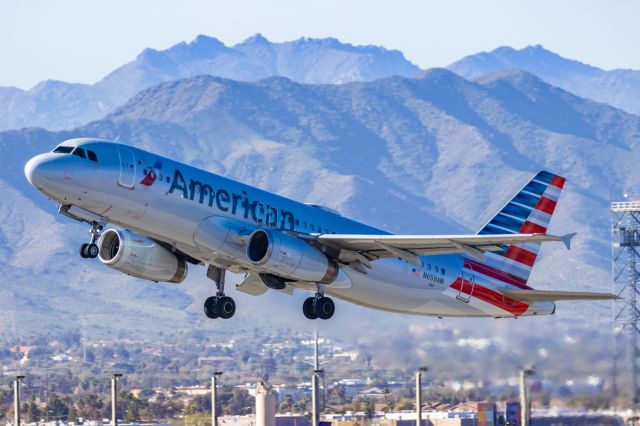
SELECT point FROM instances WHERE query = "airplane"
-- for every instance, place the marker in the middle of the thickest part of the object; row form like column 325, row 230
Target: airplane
column 168, row 215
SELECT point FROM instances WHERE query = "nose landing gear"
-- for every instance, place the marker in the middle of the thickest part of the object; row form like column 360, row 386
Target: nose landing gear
column 218, row 306
column 90, row 250
column 318, row 306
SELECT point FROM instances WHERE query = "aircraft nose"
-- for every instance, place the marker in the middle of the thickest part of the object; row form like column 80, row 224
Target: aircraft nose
column 33, row 170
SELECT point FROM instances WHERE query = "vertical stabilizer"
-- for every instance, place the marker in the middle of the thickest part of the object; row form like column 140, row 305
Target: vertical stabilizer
column 529, row 212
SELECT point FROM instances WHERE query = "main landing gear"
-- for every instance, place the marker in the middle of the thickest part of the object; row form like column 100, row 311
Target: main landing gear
column 90, row 250
column 318, row 306
column 218, row 306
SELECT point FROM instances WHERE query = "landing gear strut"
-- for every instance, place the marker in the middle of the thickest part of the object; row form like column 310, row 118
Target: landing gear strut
column 218, row 306
column 318, row 306
column 90, row 250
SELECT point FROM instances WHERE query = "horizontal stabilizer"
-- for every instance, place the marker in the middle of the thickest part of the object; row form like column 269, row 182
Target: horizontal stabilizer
column 529, row 296
column 566, row 239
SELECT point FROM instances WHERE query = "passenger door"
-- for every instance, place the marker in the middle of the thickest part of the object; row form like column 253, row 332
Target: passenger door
column 127, row 168
column 467, row 286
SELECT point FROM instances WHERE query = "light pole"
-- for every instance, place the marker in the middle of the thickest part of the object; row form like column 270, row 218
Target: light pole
column 214, row 397
column 114, row 398
column 315, row 414
column 16, row 399
column 419, row 394
column 316, row 364
column 525, row 416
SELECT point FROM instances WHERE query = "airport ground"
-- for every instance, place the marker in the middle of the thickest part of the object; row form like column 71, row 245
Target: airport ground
column 167, row 378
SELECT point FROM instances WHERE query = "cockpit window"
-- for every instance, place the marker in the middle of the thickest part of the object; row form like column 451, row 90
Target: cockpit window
column 92, row 155
column 80, row 153
column 63, row 149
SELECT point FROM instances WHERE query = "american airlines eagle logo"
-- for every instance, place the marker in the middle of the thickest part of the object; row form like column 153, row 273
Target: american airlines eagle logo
column 150, row 178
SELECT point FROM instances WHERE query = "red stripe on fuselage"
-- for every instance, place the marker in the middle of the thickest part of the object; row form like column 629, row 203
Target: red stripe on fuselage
column 532, row 228
column 558, row 181
column 546, row 205
column 490, row 296
column 497, row 274
column 520, row 255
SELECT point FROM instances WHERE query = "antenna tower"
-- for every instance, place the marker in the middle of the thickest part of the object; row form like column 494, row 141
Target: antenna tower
column 625, row 252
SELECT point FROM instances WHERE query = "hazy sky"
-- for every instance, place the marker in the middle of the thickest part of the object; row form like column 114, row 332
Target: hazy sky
column 83, row 40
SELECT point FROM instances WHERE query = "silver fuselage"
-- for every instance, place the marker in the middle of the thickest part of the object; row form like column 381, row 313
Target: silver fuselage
column 181, row 197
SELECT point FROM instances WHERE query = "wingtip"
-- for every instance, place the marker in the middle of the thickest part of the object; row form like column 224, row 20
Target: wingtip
column 566, row 239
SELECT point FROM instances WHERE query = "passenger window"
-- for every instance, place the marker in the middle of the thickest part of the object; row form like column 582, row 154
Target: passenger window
column 443, row 273
column 79, row 152
column 435, row 268
column 92, row 155
column 168, row 180
column 63, row 149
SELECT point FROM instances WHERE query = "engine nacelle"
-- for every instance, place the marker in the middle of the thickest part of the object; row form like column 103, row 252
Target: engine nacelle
column 290, row 257
column 140, row 257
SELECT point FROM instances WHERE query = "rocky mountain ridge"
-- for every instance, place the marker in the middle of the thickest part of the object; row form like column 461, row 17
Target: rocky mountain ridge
column 59, row 105
column 431, row 154
column 619, row 87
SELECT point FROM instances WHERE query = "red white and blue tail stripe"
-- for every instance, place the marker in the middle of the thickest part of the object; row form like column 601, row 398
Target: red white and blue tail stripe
column 529, row 212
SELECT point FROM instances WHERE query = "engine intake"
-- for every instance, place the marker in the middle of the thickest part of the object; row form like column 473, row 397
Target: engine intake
column 290, row 257
column 140, row 257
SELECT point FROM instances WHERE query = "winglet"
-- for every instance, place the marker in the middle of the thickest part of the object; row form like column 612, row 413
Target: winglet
column 566, row 239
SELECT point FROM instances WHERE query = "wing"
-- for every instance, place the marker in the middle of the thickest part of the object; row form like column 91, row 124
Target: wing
column 529, row 296
column 364, row 248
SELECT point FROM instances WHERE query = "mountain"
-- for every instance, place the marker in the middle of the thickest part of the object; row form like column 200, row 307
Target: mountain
column 58, row 105
column 431, row 154
column 619, row 87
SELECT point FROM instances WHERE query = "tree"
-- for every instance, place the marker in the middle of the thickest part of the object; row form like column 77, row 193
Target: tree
column 286, row 406
column 241, row 403
column 269, row 365
column 340, row 392
column 72, row 415
column 90, row 407
column 56, row 408
column 304, row 403
column 32, row 411
column 388, row 400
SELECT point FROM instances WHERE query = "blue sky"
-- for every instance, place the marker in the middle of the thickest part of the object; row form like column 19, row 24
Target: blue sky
column 83, row 40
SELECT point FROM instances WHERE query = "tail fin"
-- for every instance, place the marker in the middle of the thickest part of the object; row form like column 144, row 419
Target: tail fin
column 529, row 212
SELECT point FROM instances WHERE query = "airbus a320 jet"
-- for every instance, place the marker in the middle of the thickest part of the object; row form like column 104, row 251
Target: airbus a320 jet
column 168, row 215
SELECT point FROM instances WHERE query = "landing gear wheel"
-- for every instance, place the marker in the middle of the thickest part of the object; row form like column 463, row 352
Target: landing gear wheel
column 218, row 306
column 308, row 308
column 210, row 308
column 325, row 308
column 92, row 251
column 225, row 307
column 83, row 251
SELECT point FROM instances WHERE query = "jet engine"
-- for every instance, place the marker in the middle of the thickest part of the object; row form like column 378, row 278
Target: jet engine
column 140, row 257
column 290, row 257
